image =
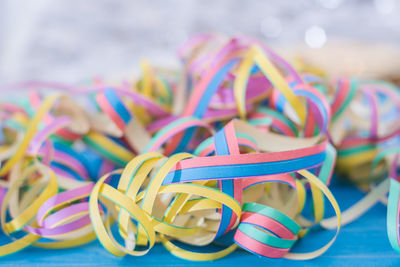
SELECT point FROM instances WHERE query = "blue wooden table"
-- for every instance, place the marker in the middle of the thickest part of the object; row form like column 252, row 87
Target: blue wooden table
column 361, row 242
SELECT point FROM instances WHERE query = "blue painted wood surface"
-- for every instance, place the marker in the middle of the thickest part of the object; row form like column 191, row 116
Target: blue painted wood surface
column 361, row 242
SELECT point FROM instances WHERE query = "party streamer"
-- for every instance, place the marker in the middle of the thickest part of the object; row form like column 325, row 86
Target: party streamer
column 228, row 149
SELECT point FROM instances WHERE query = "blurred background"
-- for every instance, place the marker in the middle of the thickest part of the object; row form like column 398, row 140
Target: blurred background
column 72, row 40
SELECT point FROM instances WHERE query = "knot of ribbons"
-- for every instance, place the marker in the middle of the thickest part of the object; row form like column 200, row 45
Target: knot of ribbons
column 165, row 158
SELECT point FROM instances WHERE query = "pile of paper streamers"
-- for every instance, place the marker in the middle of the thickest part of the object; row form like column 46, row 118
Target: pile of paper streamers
column 236, row 142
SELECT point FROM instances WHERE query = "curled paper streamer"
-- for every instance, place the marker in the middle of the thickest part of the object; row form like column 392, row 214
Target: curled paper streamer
column 166, row 159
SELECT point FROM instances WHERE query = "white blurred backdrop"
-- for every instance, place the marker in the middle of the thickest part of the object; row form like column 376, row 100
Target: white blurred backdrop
column 70, row 40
